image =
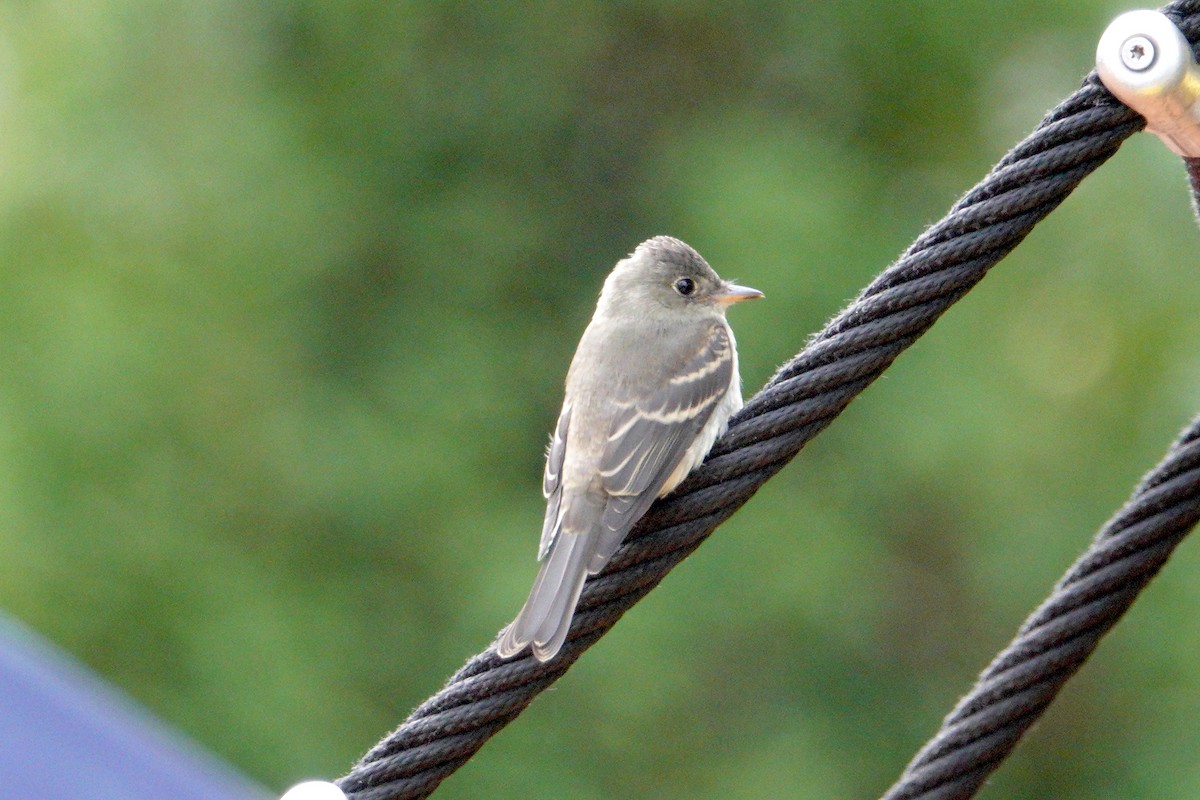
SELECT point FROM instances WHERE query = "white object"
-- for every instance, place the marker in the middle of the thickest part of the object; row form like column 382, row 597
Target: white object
column 314, row 790
column 1148, row 64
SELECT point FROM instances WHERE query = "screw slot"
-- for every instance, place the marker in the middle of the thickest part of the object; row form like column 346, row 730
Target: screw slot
column 1138, row 53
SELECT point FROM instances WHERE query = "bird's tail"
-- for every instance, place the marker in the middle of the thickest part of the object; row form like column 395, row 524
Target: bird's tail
column 546, row 616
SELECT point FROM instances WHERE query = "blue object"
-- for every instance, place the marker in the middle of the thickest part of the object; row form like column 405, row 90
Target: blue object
column 65, row 733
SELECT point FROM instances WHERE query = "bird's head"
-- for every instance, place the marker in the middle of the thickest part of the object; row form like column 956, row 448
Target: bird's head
column 664, row 273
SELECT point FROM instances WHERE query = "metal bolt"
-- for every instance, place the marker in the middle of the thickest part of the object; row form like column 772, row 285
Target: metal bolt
column 1137, row 53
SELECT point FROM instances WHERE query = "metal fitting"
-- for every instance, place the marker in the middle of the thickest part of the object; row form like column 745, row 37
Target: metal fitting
column 1147, row 63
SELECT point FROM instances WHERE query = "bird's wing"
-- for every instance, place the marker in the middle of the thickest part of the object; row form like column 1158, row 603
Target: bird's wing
column 552, row 479
column 650, row 435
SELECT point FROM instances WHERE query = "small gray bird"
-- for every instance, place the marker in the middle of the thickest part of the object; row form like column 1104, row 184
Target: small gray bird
column 651, row 387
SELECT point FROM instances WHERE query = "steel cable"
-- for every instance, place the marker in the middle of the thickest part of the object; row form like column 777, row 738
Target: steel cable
column 1058, row 637
column 799, row 401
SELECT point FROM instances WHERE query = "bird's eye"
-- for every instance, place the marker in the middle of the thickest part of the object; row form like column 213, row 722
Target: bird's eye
column 685, row 286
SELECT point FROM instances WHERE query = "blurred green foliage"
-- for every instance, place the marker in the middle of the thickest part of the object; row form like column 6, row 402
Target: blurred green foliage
column 289, row 288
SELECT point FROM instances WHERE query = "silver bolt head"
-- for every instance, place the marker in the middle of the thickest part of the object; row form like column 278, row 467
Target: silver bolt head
column 1137, row 53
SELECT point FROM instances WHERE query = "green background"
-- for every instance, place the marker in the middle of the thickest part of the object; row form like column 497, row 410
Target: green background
column 288, row 290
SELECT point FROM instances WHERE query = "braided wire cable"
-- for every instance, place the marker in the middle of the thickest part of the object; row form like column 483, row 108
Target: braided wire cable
column 800, row 400
column 1059, row 636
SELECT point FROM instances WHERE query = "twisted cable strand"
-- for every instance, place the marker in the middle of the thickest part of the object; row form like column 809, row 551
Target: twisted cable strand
column 1063, row 632
column 803, row 397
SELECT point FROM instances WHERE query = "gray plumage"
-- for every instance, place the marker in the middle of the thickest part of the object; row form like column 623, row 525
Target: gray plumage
column 652, row 385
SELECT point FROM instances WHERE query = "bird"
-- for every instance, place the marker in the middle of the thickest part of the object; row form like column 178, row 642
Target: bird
column 651, row 387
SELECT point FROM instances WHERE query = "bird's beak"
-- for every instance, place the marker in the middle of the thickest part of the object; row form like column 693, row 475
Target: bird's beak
column 732, row 293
